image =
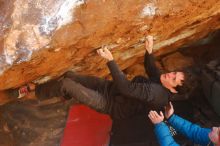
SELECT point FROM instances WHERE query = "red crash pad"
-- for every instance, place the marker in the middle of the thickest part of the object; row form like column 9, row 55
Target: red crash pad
column 86, row 127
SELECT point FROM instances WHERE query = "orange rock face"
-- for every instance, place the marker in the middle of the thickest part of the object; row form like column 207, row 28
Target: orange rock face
column 176, row 61
column 40, row 40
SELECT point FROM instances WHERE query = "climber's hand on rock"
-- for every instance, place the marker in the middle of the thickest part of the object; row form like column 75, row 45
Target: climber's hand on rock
column 149, row 43
column 105, row 53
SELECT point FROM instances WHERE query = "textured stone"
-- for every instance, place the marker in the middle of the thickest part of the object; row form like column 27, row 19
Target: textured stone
column 41, row 39
column 139, row 70
column 31, row 124
column 176, row 61
column 135, row 70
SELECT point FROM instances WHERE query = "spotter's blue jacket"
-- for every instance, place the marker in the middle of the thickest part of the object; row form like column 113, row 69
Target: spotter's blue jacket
column 192, row 131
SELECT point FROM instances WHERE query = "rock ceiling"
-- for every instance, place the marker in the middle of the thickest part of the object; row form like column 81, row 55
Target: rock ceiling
column 41, row 39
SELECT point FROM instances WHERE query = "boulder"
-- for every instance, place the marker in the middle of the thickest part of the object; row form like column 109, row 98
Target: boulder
column 40, row 40
column 176, row 61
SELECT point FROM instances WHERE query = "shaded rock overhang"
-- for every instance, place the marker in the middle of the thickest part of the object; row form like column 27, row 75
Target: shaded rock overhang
column 42, row 39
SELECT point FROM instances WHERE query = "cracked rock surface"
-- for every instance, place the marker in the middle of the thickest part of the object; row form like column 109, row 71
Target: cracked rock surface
column 42, row 39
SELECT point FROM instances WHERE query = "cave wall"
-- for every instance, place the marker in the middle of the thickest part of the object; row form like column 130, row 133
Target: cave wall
column 41, row 39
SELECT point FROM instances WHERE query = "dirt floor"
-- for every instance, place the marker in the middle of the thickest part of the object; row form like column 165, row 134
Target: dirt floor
column 33, row 123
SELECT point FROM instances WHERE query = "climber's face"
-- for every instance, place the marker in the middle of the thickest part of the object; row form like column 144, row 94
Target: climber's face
column 171, row 80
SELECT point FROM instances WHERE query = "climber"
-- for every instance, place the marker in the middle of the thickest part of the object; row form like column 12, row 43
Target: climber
column 155, row 90
column 126, row 110
column 198, row 135
column 102, row 95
